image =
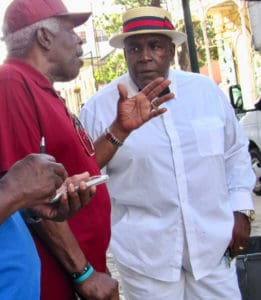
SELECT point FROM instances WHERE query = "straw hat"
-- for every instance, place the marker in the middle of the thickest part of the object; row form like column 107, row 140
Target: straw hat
column 144, row 20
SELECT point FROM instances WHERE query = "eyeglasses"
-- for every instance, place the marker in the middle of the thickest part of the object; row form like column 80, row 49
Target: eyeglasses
column 83, row 136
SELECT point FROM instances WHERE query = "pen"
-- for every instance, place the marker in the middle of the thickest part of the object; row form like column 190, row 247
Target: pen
column 42, row 145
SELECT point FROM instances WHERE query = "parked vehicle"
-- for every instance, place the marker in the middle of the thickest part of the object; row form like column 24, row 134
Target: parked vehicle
column 250, row 119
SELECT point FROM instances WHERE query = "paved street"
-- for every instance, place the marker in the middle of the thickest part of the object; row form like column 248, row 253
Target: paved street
column 256, row 230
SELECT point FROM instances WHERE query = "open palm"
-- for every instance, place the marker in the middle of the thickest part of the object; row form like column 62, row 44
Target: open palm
column 134, row 112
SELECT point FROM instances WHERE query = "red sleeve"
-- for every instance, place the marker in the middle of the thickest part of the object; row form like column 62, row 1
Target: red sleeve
column 19, row 129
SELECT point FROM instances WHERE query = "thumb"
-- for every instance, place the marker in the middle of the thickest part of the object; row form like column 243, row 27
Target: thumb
column 122, row 92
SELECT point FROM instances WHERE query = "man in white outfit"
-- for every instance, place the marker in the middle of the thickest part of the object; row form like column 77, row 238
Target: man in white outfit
column 180, row 185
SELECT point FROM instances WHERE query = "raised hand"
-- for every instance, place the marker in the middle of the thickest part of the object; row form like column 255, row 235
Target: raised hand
column 135, row 111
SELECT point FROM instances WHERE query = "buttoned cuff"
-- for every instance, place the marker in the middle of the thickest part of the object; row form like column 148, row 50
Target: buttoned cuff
column 241, row 199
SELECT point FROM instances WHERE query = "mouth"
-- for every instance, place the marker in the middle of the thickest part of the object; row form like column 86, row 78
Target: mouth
column 80, row 55
column 149, row 74
column 146, row 71
column 80, row 58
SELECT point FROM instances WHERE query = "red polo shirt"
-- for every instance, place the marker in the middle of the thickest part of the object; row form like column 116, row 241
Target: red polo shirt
column 30, row 109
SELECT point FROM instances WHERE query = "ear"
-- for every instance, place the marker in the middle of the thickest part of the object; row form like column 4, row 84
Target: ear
column 172, row 49
column 44, row 37
column 172, row 52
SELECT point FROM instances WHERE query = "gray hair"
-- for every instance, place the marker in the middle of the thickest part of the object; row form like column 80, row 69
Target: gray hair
column 20, row 42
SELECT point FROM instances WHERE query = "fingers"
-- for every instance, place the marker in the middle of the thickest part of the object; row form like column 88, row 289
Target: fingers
column 85, row 194
column 157, row 102
column 155, row 113
column 60, row 171
column 56, row 167
column 153, row 85
column 73, row 198
column 76, row 179
column 78, row 197
column 44, row 156
column 163, row 99
column 155, row 110
column 56, row 170
column 153, row 89
column 153, row 105
column 70, row 202
column 239, row 246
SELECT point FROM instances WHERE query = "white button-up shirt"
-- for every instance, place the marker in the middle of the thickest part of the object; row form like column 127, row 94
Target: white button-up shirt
column 181, row 175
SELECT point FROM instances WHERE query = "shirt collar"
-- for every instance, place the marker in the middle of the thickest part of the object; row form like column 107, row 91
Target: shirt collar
column 33, row 73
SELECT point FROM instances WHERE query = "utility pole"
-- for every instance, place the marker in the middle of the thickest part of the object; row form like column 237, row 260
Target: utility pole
column 190, row 35
column 155, row 3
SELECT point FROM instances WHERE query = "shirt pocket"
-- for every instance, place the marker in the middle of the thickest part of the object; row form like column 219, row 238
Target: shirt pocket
column 209, row 134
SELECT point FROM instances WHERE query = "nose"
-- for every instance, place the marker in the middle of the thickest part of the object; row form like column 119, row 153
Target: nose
column 79, row 40
column 145, row 54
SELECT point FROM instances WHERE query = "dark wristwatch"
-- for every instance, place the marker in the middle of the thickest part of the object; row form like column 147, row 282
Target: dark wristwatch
column 112, row 138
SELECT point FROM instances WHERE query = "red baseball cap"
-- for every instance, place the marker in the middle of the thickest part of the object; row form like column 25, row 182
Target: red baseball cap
column 22, row 13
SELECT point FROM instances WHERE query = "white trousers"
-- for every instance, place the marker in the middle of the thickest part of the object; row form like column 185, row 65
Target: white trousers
column 221, row 284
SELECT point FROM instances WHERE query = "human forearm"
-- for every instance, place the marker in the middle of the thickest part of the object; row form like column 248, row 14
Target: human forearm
column 104, row 148
column 62, row 243
column 10, row 201
column 7, row 205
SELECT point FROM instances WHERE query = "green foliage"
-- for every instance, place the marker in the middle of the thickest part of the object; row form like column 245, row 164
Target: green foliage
column 109, row 23
column 199, row 41
column 198, row 35
column 114, row 67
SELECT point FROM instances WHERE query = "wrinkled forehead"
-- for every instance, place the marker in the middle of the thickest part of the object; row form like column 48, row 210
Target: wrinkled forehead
column 145, row 38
